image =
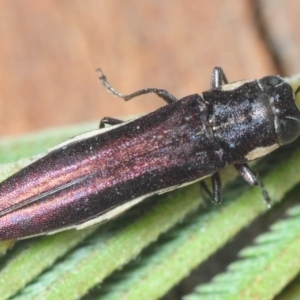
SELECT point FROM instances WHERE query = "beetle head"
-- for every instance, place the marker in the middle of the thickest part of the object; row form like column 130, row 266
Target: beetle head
column 286, row 113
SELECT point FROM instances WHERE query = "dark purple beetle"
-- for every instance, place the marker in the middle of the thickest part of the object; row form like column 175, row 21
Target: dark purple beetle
column 96, row 176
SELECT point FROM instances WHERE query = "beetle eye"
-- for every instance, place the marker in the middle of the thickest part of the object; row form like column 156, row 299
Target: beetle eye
column 271, row 81
column 288, row 130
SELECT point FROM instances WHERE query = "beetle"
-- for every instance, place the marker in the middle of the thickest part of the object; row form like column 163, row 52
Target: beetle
column 99, row 174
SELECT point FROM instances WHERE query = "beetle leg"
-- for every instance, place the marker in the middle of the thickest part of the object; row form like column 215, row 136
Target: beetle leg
column 109, row 121
column 206, row 193
column 206, row 190
column 218, row 77
column 216, row 195
column 248, row 176
column 265, row 194
column 169, row 98
column 246, row 173
column 217, row 188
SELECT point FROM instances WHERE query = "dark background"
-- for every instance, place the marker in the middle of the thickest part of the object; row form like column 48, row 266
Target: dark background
column 49, row 51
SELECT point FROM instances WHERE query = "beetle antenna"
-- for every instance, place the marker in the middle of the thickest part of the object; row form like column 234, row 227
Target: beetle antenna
column 169, row 98
column 104, row 81
column 297, row 90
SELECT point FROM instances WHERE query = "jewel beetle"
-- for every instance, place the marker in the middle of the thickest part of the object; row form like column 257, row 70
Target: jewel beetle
column 97, row 175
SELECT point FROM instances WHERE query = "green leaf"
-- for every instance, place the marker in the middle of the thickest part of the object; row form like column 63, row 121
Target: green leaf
column 141, row 255
column 263, row 269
